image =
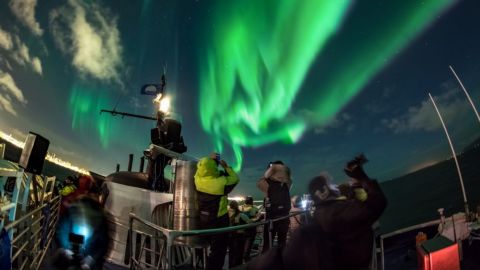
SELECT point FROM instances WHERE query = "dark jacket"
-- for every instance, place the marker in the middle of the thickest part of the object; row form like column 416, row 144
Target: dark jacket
column 308, row 249
column 348, row 224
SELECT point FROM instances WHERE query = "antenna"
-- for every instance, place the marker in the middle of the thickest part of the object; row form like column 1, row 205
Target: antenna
column 466, row 93
column 123, row 114
column 467, row 212
column 163, row 79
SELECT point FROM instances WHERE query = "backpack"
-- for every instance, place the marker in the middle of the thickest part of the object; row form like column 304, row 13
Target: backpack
column 278, row 200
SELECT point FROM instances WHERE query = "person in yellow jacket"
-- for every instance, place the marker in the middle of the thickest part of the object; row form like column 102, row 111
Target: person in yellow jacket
column 213, row 186
column 68, row 186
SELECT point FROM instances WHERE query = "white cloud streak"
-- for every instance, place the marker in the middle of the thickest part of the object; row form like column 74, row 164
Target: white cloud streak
column 339, row 121
column 37, row 65
column 8, row 84
column 423, row 116
column 19, row 52
column 136, row 104
column 24, row 10
column 22, row 57
column 5, row 40
column 6, row 104
column 8, row 91
column 92, row 39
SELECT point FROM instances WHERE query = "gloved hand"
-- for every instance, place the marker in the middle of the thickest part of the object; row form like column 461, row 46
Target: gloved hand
column 355, row 170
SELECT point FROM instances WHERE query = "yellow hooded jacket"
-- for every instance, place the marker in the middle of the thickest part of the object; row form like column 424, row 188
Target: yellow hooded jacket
column 213, row 188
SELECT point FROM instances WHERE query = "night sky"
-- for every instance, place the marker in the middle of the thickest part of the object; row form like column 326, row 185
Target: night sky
column 312, row 83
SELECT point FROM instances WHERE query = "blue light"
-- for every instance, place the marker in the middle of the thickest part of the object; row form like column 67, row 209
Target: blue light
column 82, row 229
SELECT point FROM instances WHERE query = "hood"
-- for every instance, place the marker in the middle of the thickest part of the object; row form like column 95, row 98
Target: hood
column 207, row 167
column 85, row 183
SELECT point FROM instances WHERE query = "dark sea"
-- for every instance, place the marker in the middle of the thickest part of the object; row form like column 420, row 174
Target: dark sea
column 414, row 198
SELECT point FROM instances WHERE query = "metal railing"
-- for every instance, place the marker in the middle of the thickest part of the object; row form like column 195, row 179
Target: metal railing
column 402, row 231
column 32, row 235
column 169, row 236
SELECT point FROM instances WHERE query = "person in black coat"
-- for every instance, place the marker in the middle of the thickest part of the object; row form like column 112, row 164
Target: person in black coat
column 308, row 249
column 348, row 222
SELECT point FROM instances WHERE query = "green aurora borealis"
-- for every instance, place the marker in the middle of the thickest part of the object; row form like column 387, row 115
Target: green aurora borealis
column 85, row 104
column 256, row 57
column 259, row 53
column 311, row 83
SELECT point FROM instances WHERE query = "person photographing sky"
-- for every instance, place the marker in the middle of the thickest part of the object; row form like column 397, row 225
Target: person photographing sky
column 212, row 187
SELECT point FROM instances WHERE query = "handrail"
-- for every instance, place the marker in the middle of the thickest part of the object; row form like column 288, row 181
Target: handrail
column 172, row 234
column 148, row 223
column 411, row 228
column 296, row 213
column 27, row 215
column 401, row 231
column 9, row 226
column 33, row 249
column 215, row 230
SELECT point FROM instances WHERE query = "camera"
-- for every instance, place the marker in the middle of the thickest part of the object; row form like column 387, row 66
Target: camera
column 359, row 160
column 354, row 169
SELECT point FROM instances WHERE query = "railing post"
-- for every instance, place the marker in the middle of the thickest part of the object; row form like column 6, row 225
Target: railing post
column 170, row 235
column 130, row 241
column 382, row 253
column 168, row 252
column 373, row 263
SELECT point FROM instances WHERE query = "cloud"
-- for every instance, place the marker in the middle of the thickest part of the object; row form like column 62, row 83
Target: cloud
column 136, row 104
column 340, row 120
column 37, row 65
column 7, row 83
column 5, row 63
column 25, row 12
column 423, row 116
column 5, row 40
column 92, row 39
column 8, row 91
column 22, row 56
column 19, row 52
column 6, row 104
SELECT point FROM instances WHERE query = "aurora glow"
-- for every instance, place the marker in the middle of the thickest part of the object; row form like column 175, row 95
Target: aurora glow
column 371, row 53
column 85, row 105
column 260, row 52
column 259, row 56
column 309, row 82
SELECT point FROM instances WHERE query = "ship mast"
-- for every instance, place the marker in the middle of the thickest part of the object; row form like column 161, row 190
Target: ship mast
column 465, row 202
column 166, row 134
column 466, row 93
